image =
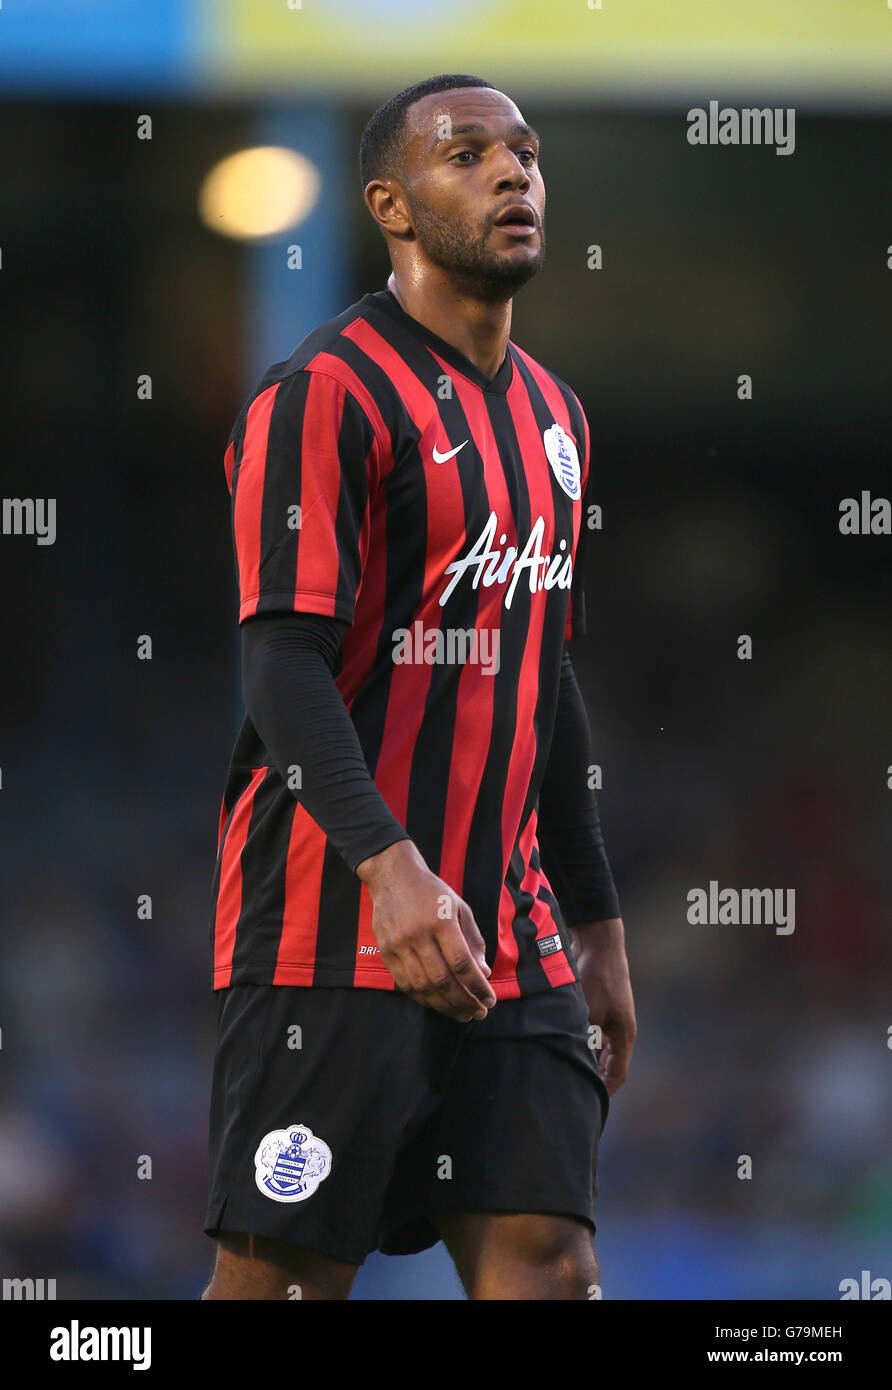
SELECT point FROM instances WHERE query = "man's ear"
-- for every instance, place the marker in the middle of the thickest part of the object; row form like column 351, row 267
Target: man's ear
column 387, row 203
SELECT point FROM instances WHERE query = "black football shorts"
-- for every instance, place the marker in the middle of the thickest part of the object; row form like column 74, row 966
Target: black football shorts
column 342, row 1120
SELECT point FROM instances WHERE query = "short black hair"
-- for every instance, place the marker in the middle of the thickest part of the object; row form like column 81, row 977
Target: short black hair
column 382, row 149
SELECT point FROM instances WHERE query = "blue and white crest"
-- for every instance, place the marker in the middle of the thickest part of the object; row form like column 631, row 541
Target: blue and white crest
column 291, row 1163
column 563, row 458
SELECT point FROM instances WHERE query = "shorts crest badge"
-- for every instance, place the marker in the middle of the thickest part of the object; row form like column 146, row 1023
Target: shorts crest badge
column 291, row 1163
column 564, row 460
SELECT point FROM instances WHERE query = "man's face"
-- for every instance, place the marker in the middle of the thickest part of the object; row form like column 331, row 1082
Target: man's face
column 470, row 160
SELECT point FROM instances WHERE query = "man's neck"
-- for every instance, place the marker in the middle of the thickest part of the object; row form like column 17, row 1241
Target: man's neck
column 476, row 328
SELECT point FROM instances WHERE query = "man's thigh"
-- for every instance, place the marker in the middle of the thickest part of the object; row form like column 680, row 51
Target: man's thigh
column 250, row 1267
column 521, row 1255
column 517, row 1132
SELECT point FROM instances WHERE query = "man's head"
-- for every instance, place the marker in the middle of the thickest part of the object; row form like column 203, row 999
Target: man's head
column 450, row 172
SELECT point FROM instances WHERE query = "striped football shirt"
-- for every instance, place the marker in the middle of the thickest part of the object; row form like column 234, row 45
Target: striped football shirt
column 378, row 477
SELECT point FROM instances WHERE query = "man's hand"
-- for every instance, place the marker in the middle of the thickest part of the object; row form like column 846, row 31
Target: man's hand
column 600, row 951
column 426, row 934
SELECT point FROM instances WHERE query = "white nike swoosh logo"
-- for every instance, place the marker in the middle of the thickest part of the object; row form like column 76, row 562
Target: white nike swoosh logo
column 441, row 458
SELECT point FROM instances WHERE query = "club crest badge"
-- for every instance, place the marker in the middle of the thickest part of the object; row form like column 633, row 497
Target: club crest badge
column 564, row 460
column 291, row 1163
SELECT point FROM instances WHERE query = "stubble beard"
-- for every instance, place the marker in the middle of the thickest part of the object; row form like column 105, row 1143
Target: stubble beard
column 463, row 252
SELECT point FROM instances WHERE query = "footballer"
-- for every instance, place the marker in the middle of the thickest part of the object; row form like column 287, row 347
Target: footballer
column 414, row 922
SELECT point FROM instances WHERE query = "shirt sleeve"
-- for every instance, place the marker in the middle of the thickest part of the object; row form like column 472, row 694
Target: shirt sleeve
column 303, row 469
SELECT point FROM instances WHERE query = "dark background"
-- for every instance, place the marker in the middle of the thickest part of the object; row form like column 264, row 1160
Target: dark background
column 720, row 518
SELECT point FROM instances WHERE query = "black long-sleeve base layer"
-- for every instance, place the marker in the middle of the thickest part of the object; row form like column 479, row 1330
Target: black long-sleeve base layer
column 570, row 839
column 288, row 663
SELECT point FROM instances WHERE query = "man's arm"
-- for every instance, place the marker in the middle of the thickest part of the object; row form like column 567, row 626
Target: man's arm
column 291, row 696
column 575, row 859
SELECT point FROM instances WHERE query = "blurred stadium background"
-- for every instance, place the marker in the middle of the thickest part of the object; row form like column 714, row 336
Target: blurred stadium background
column 720, row 518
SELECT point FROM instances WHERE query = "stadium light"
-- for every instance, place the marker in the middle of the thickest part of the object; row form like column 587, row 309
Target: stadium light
column 258, row 192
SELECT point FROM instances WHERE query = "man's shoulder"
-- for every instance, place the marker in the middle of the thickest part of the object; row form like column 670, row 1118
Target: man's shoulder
column 325, row 347
column 325, row 352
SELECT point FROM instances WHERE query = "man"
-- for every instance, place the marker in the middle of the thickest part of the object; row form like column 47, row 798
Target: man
column 403, row 1050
